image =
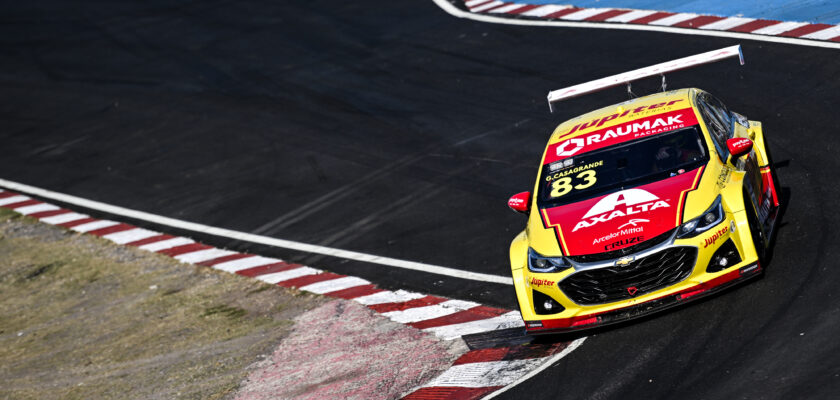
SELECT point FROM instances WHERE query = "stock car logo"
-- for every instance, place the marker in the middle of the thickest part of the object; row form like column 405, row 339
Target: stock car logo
column 624, row 261
column 620, row 204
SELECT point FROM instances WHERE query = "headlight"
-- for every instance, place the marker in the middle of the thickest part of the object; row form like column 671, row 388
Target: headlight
column 540, row 263
column 711, row 217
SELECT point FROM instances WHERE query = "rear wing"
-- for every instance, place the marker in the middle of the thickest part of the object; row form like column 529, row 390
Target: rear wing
column 658, row 69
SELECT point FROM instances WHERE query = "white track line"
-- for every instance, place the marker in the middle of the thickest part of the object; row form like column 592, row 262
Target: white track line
column 428, row 312
column 386, row 297
column 505, row 321
column 290, row 274
column 131, row 235
column 249, row 237
column 245, row 263
column 166, row 244
column 456, row 12
column 534, row 372
column 62, row 218
column 94, row 225
column 333, row 285
column 36, row 208
column 194, row 257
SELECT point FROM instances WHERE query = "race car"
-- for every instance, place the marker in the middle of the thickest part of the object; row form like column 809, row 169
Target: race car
column 642, row 205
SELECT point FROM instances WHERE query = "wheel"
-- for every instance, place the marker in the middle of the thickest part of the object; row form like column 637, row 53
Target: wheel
column 758, row 238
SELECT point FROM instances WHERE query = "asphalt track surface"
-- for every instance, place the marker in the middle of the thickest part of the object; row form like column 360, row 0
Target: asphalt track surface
column 395, row 129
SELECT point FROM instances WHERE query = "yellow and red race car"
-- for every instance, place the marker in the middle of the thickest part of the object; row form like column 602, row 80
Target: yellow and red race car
column 641, row 206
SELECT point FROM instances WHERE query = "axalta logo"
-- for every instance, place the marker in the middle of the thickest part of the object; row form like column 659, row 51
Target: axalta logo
column 574, row 145
column 620, row 204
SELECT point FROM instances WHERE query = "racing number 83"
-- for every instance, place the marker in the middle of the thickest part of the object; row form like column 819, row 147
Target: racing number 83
column 563, row 185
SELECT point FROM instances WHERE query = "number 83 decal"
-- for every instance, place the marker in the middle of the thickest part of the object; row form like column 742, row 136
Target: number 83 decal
column 564, row 185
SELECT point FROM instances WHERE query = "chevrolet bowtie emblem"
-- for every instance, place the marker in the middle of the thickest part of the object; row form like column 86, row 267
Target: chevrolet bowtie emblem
column 624, row 261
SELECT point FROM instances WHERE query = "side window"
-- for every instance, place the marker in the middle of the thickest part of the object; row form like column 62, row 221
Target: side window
column 718, row 120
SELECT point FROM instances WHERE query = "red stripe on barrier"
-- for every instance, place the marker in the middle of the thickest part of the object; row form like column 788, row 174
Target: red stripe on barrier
column 558, row 14
column 524, row 352
column 111, row 229
column 495, row 7
column 650, row 18
column 606, row 15
column 268, row 269
column 77, row 222
column 698, row 21
column 353, row 292
column 30, row 202
column 753, row 25
column 219, row 260
column 153, row 239
column 805, row 29
column 469, row 315
column 837, row 39
column 527, row 8
column 310, row 279
column 450, row 393
column 405, row 305
column 184, row 249
column 51, row 213
column 3, row 195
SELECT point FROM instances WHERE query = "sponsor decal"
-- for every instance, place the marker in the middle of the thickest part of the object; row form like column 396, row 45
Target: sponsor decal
column 586, row 226
column 624, row 242
column 632, row 290
column 540, row 282
column 620, row 204
column 711, row 240
column 634, row 222
column 574, row 146
column 561, row 164
column 723, row 178
column 638, row 128
column 602, row 120
column 623, row 232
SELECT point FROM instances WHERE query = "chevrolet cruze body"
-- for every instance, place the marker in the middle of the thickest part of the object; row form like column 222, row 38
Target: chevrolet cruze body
column 641, row 206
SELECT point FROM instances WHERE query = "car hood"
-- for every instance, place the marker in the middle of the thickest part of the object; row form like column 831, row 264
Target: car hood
column 621, row 219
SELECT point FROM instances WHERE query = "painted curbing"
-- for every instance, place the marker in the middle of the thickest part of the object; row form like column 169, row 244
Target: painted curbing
column 514, row 13
column 476, row 374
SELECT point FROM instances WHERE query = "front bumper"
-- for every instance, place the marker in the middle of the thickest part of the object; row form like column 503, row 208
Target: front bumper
column 651, row 306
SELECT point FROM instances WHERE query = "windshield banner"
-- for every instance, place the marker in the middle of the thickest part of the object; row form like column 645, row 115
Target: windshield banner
column 637, row 129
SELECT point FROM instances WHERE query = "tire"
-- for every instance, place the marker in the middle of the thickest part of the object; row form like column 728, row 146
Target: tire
column 758, row 238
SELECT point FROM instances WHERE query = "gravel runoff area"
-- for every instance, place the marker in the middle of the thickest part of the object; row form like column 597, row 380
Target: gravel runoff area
column 83, row 318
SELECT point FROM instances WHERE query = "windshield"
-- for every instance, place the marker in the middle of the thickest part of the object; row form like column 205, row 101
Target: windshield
column 629, row 164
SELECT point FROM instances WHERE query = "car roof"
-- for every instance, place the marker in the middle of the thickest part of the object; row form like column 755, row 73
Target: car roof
column 619, row 113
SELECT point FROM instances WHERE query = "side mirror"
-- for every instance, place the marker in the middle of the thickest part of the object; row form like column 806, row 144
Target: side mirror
column 739, row 146
column 520, row 202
